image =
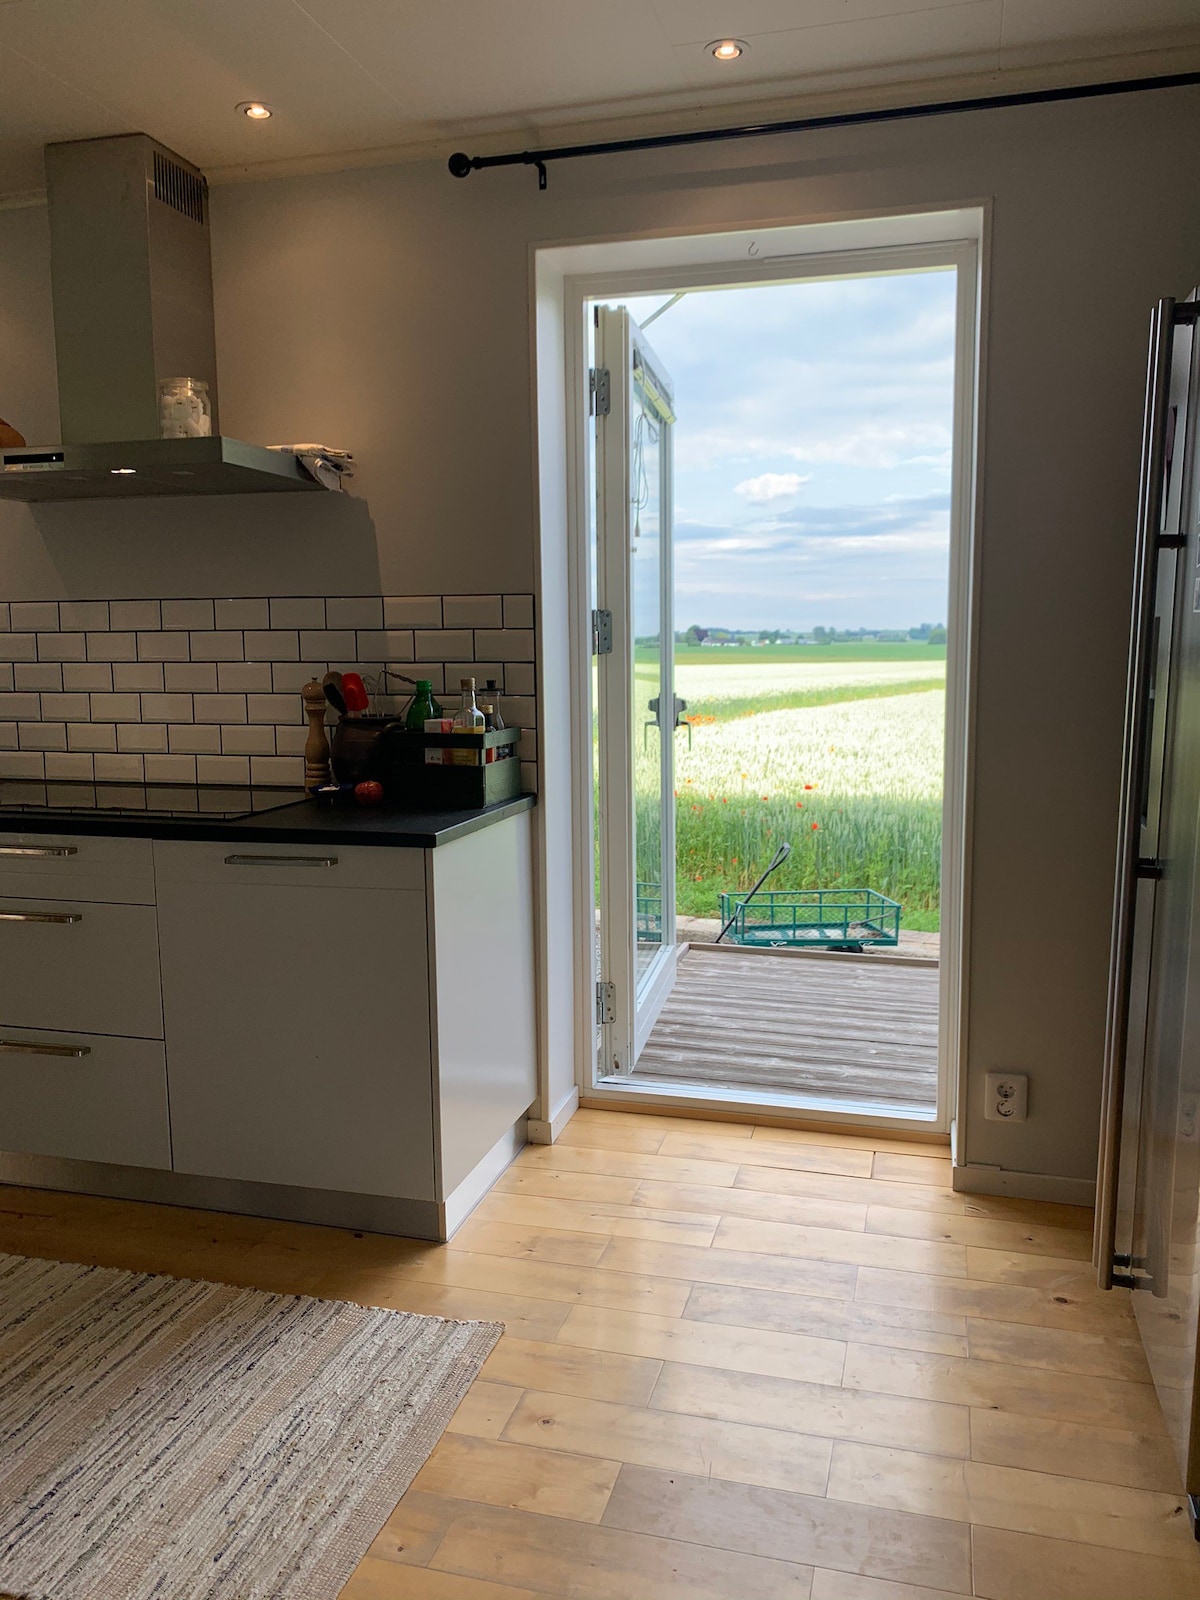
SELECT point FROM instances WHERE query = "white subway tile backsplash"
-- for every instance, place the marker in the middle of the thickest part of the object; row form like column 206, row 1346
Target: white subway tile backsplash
column 134, row 677
column 412, row 611
column 223, row 769
column 361, row 613
column 322, row 644
column 170, row 769
column 216, row 646
column 91, row 736
column 194, row 739
column 166, row 708
column 163, row 646
column 144, row 668
column 187, row 614
column 66, row 707
column 239, row 614
column 278, row 644
column 274, row 708
column 508, row 644
column 276, row 769
column 20, row 707
column 33, row 616
column 112, row 646
column 83, row 615
column 190, row 677
column 117, row 707
column 87, row 677
column 119, row 769
column 446, row 643
column 252, row 740
column 135, row 614
column 241, row 677
column 297, row 613
column 520, row 677
column 518, row 611
column 472, row 611
column 392, row 644
column 75, row 767
column 25, row 764
column 219, row 707
column 37, row 675
column 62, row 646
column 42, row 735
column 141, row 736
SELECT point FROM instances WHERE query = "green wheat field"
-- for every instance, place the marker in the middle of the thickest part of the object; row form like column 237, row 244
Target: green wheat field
column 837, row 748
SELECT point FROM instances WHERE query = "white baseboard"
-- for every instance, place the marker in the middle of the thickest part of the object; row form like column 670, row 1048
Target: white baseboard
column 547, row 1132
column 459, row 1205
column 979, row 1179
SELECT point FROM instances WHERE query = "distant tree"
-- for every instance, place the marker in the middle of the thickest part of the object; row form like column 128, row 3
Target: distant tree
column 696, row 635
column 937, row 635
column 822, row 635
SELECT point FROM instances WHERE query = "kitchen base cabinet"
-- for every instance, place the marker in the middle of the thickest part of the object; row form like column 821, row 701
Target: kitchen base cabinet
column 346, row 1032
column 297, row 1020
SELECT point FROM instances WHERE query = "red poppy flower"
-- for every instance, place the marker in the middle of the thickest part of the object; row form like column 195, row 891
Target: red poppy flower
column 815, row 826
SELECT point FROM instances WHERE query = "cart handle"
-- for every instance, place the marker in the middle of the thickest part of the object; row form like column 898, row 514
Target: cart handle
column 777, row 860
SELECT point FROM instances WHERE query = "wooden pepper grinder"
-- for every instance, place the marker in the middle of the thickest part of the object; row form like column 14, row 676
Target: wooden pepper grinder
column 316, row 746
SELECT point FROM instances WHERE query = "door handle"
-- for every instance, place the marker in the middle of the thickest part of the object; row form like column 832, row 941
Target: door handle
column 274, row 861
column 40, row 850
column 29, row 1047
column 41, row 916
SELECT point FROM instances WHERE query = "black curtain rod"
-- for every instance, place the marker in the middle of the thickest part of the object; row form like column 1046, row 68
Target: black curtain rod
column 462, row 165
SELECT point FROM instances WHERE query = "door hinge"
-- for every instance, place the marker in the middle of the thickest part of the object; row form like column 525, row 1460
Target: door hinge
column 599, row 391
column 606, row 1003
column 602, row 633
column 1148, row 867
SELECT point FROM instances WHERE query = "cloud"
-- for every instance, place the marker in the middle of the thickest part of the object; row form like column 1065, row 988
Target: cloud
column 771, row 486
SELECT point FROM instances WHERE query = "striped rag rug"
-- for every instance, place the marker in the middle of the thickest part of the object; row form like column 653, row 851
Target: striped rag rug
column 167, row 1440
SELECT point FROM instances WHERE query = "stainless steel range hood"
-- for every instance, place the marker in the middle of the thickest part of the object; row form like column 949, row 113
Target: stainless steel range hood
column 132, row 288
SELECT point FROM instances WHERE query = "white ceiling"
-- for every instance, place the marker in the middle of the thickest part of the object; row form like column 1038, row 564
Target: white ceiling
column 351, row 77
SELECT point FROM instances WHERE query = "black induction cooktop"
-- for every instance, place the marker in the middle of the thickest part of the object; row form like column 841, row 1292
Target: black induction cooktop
column 211, row 802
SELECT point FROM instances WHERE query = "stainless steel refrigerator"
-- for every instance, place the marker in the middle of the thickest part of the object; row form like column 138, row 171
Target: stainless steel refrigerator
column 1148, row 1211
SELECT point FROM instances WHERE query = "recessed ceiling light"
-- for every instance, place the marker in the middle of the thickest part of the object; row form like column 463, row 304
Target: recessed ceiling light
column 727, row 49
column 255, row 110
column 123, row 472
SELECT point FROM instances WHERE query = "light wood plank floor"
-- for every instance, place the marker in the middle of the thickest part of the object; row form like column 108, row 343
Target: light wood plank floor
column 852, row 1030
column 739, row 1362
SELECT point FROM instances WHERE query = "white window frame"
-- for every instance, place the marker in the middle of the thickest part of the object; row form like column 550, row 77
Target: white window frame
column 572, row 277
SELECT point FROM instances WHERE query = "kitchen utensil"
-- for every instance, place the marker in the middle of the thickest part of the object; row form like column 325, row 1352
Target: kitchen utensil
column 354, row 693
column 332, row 684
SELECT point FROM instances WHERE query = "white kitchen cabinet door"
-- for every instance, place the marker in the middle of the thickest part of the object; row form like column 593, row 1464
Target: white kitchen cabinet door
column 297, row 1023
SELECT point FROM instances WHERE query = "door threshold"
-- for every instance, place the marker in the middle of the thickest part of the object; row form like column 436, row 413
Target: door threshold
column 764, row 1105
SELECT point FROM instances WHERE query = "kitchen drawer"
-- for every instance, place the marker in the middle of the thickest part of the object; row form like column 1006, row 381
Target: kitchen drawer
column 81, row 966
column 84, row 1096
column 283, row 865
column 77, row 867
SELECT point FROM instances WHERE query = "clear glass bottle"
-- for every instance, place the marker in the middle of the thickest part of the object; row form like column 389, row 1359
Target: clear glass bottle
column 469, row 718
column 184, row 409
column 491, row 694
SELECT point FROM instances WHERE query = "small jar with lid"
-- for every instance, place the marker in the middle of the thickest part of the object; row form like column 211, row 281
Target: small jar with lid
column 184, row 409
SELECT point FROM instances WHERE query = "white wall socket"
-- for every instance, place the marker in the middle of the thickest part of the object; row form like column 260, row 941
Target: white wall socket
column 1007, row 1097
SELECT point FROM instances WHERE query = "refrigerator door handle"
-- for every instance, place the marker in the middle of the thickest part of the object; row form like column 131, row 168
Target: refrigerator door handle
column 1149, row 529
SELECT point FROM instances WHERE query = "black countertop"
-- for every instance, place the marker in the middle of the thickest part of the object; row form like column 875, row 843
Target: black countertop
column 216, row 812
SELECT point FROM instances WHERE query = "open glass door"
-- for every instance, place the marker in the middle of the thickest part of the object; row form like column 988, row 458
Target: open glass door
column 635, row 690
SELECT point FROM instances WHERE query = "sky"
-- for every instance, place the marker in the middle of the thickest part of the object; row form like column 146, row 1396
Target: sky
column 812, row 451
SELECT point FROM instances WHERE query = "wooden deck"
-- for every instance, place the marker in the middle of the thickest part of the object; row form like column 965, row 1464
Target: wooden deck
column 860, row 1032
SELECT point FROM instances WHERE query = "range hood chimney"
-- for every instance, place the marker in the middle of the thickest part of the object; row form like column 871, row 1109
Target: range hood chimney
column 131, row 277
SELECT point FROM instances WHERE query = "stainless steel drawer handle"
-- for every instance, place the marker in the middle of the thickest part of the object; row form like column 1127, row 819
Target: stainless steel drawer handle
column 41, row 850
column 276, row 861
column 27, row 1047
column 41, row 916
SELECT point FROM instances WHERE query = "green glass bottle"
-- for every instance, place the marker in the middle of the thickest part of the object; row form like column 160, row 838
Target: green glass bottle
column 422, row 706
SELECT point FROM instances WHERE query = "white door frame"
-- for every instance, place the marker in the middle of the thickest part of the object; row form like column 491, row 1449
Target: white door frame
column 963, row 253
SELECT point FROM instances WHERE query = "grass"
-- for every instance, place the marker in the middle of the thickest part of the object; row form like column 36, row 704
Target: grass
column 843, row 759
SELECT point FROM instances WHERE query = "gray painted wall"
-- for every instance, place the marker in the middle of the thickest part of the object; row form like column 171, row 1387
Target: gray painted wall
column 388, row 310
